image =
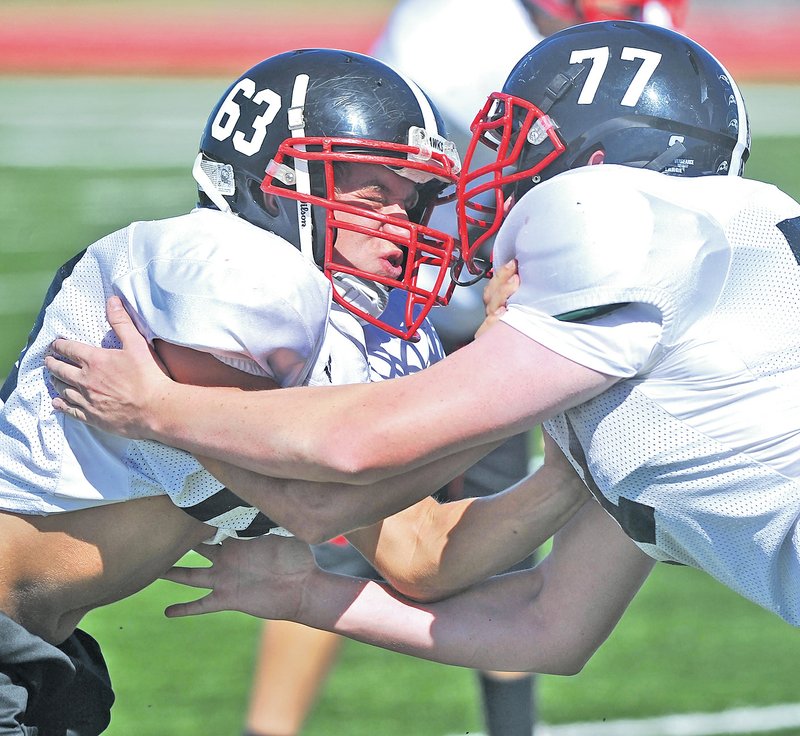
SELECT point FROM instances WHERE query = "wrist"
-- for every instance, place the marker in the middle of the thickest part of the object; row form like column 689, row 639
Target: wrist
column 159, row 417
column 326, row 597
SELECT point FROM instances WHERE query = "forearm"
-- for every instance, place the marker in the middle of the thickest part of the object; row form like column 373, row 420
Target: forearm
column 316, row 512
column 433, row 550
column 366, row 432
column 308, row 433
column 549, row 619
column 468, row 630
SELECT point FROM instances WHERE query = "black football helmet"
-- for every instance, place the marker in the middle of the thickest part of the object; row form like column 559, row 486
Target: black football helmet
column 631, row 93
column 272, row 146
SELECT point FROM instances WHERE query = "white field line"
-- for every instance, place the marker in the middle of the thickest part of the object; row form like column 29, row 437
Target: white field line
column 768, row 719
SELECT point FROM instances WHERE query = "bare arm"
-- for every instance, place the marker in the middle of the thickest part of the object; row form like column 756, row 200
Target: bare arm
column 311, row 510
column 316, row 511
column 549, row 619
column 392, row 426
column 431, row 550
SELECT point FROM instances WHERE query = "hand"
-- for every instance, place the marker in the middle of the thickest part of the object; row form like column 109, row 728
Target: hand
column 502, row 285
column 109, row 389
column 263, row 577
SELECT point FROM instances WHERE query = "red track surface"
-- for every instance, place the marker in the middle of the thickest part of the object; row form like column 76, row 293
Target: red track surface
column 120, row 41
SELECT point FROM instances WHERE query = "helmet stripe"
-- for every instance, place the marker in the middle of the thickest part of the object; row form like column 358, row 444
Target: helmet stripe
column 302, row 179
column 743, row 136
column 743, row 143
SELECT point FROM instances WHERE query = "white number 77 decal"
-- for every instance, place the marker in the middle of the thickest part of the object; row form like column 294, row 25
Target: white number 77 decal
column 600, row 57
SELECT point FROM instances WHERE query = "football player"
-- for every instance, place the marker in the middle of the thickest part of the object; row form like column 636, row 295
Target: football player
column 654, row 332
column 316, row 174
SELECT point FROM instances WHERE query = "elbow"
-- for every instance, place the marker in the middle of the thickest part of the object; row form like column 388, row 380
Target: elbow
column 312, row 520
column 569, row 665
column 571, row 654
column 354, row 457
column 565, row 661
column 419, row 592
column 422, row 587
column 315, row 528
column 312, row 534
column 560, row 644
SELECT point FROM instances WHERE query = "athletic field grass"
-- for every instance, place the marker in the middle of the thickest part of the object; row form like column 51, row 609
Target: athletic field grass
column 81, row 157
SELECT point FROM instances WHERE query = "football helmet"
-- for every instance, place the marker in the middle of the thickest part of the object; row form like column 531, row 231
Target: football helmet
column 619, row 91
column 273, row 145
column 670, row 13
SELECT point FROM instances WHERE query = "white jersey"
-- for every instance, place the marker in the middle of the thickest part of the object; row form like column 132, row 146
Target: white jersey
column 689, row 290
column 208, row 281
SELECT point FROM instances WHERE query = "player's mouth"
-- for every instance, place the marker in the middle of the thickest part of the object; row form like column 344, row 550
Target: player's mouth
column 393, row 263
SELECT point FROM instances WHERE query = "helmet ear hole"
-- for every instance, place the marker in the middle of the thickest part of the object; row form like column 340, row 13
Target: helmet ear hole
column 270, row 204
column 598, row 157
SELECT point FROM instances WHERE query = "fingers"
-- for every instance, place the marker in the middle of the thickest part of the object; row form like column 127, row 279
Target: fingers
column 62, row 374
column 192, row 608
column 77, row 353
column 69, row 409
column 80, row 354
column 69, row 399
column 122, row 324
column 503, row 284
column 495, row 296
column 196, row 577
column 65, row 378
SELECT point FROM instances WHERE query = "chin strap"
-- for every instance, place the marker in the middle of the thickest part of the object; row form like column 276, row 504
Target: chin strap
column 368, row 296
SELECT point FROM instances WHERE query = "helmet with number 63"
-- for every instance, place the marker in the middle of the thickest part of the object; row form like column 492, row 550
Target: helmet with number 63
column 276, row 140
column 615, row 92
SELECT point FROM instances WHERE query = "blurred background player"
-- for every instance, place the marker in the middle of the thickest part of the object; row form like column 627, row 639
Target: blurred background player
column 482, row 44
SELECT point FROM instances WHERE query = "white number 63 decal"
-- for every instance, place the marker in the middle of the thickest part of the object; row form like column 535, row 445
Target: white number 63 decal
column 600, row 57
column 227, row 117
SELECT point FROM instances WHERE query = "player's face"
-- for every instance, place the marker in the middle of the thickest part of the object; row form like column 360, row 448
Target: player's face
column 374, row 189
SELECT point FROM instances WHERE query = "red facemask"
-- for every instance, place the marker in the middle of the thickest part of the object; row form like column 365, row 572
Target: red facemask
column 505, row 124
column 424, row 247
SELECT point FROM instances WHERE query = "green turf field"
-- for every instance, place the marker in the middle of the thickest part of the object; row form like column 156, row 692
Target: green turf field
column 686, row 645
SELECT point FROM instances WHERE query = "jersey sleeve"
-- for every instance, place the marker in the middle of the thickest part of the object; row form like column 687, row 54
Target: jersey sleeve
column 252, row 301
column 618, row 343
column 594, row 240
column 581, row 240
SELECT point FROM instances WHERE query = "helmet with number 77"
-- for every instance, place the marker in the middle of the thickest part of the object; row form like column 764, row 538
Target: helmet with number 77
column 279, row 141
column 618, row 92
